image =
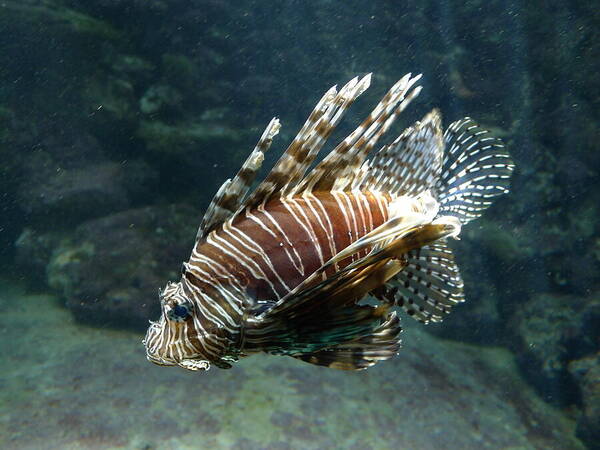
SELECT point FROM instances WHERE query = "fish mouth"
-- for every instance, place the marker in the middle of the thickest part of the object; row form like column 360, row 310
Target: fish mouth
column 194, row 364
column 189, row 364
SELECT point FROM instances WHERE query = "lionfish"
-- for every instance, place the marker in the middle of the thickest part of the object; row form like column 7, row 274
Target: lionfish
column 286, row 269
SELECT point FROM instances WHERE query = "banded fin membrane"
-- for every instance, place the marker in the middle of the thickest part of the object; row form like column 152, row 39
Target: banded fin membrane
column 429, row 286
column 476, row 169
column 340, row 170
column 341, row 167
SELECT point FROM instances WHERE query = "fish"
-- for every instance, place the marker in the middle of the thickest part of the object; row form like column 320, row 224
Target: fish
column 319, row 261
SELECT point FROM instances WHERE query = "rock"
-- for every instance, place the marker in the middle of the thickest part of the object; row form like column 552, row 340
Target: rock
column 159, row 98
column 111, row 102
column 129, row 8
column 586, row 372
column 69, row 179
column 109, row 271
column 183, row 138
column 550, row 331
column 34, row 251
column 195, row 149
column 85, row 192
column 181, row 71
column 131, row 64
column 434, row 395
column 62, row 18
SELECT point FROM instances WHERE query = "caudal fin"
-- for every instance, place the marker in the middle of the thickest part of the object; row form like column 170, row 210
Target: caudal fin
column 476, row 169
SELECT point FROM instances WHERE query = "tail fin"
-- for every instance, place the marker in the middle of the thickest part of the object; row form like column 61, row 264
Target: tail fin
column 476, row 169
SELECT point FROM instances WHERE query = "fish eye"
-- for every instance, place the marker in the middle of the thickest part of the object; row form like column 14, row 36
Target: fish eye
column 179, row 312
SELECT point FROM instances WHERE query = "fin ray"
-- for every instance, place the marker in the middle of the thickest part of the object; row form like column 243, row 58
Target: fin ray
column 338, row 170
column 317, row 315
column 294, row 162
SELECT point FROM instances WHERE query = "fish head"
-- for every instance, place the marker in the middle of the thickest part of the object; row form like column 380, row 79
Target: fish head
column 177, row 337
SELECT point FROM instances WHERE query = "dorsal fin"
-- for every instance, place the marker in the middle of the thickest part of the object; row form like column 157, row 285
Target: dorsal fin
column 341, row 167
column 338, row 171
column 473, row 170
column 412, row 163
column 293, row 164
column 230, row 195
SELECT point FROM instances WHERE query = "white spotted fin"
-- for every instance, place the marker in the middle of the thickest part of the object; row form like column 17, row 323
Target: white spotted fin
column 411, row 164
column 465, row 169
column 429, row 286
column 476, row 169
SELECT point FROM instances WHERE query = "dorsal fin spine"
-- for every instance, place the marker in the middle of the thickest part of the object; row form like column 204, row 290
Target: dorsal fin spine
column 232, row 192
column 264, row 189
column 340, row 167
column 346, row 99
column 293, row 163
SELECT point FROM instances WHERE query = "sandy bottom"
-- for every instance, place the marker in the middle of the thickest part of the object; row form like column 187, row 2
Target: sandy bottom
column 67, row 386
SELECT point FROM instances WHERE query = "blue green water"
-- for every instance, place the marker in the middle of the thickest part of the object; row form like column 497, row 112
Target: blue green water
column 120, row 119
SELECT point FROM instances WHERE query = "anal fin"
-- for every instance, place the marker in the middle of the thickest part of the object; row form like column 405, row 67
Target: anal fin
column 429, row 286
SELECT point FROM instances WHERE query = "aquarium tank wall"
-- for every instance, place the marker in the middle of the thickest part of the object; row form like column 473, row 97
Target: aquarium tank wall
column 120, row 120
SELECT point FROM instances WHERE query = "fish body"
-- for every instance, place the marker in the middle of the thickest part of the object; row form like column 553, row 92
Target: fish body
column 282, row 270
column 271, row 250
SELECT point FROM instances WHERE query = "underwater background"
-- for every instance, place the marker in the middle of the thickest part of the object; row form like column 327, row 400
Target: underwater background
column 119, row 119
